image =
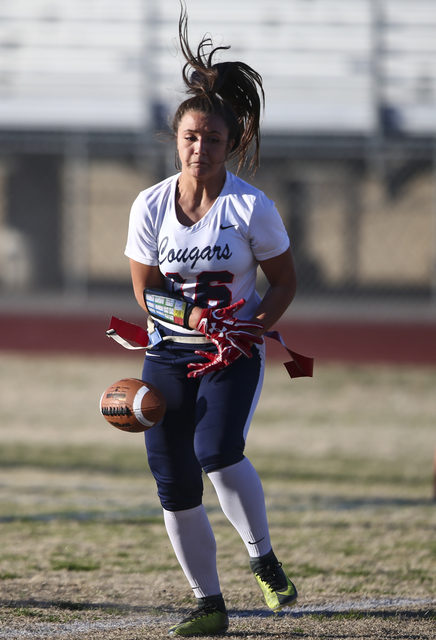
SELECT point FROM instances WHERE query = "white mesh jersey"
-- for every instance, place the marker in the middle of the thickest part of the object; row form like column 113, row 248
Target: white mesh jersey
column 214, row 261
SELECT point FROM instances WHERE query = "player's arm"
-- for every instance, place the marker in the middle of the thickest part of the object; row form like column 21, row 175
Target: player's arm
column 146, row 277
column 280, row 273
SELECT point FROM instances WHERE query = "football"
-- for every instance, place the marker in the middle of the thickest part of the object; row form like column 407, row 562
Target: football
column 132, row 405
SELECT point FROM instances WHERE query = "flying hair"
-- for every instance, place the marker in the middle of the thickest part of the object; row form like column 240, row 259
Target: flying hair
column 232, row 90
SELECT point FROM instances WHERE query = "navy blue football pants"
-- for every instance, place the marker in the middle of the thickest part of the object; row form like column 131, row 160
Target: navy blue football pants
column 206, row 422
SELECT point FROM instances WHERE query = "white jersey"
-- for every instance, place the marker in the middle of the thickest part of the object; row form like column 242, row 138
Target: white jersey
column 214, row 261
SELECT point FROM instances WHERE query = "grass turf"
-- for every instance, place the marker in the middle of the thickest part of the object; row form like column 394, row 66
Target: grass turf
column 346, row 463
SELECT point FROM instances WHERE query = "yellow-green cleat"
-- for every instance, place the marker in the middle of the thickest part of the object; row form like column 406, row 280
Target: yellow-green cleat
column 276, row 587
column 209, row 619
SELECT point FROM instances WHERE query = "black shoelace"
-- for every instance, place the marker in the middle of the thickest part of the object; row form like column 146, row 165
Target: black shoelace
column 273, row 576
column 207, row 609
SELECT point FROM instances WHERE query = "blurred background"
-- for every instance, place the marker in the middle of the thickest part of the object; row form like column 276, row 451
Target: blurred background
column 348, row 150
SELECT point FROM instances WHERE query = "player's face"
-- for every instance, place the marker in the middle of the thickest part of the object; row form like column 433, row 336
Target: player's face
column 203, row 144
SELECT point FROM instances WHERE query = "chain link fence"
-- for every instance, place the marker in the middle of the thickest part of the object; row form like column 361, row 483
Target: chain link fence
column 362, row 228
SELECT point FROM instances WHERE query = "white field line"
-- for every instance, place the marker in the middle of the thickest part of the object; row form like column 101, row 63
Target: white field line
column 363, row 605
column 45, row 630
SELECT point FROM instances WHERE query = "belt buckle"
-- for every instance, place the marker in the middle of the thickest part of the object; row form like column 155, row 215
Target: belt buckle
column 155, row 337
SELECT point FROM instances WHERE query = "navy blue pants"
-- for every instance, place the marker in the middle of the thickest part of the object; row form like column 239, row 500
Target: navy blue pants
column 206, row 422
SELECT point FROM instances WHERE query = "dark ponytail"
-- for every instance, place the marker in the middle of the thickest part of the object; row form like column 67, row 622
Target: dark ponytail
column 232, row 90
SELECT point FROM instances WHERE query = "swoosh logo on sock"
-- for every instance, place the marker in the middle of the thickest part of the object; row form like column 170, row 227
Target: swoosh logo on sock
column 257, row 541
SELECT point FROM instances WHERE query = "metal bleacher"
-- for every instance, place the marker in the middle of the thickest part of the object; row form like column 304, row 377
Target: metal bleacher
column 109, row 64
column 71, row 64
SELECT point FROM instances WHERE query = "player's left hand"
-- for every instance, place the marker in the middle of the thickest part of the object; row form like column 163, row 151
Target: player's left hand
column 221, row 327
column 216, row 361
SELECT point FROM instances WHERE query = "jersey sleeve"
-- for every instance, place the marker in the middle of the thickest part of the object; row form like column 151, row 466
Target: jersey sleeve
column 267, row 234
column 141, row 237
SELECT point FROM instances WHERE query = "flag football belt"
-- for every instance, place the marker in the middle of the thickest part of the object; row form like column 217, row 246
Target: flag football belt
column 125, row 332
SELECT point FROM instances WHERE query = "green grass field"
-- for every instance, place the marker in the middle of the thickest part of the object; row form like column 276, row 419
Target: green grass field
column 346, row 460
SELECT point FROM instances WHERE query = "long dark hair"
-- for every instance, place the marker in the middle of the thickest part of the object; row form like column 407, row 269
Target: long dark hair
column 232, row 90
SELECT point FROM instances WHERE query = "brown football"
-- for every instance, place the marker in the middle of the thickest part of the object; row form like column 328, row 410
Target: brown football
column 132, row 405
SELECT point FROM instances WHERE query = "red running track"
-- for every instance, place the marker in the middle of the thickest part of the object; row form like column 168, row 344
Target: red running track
column 326, row 340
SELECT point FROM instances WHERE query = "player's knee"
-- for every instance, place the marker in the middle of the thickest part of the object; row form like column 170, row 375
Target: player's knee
column 178, row 487
column 178, row 494
column 172, row 502
column 215, row 462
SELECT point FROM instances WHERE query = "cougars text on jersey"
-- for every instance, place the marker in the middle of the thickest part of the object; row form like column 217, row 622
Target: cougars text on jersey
column 192, row 255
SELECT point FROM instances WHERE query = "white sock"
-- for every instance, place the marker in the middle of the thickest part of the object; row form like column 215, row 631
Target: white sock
column 194, row 544
column 240, row 493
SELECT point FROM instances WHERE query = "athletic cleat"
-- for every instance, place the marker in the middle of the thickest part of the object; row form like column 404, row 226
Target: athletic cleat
column 276, row 587
column 207, row 620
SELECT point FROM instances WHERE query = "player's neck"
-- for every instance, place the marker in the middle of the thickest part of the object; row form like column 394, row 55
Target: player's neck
column 194, row 198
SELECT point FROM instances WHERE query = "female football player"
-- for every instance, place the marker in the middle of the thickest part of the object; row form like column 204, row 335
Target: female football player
column 195, row 241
